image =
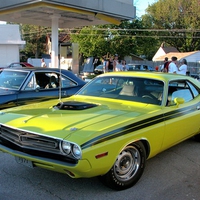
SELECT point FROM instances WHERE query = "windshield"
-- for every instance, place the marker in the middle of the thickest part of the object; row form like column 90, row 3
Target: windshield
column 126, row 88
column 12, row 79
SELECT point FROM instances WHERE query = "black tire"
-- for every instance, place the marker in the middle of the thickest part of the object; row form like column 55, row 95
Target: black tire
column 127, row 169
column 197, row 137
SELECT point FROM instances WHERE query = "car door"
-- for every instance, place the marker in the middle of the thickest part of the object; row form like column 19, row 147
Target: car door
column 8, row 98
column 181, row 121
column 34, row 96
column 36, row 90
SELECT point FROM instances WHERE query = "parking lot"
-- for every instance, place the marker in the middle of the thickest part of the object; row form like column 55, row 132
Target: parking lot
column 171, row 175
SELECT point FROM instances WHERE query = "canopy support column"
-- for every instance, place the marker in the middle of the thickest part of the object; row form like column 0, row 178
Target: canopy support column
column 54, row 41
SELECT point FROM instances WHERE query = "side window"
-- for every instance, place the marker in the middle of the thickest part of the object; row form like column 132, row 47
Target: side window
column 179, row 89
column 53, row 80
column 138, row 67
column 66, row 82
column 194, row 90
column 14, row 65
column 31, row 84
column 183, row 93
column 47, row 80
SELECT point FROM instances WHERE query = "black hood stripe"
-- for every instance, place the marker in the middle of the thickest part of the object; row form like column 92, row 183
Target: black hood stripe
column 139, row 125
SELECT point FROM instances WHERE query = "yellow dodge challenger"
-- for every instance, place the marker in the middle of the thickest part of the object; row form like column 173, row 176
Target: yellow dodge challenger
column 108, row 129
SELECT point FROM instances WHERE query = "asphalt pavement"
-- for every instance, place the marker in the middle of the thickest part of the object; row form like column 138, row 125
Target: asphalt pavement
column 172, row 175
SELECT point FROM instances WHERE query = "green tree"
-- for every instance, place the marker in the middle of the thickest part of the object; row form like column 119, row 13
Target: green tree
column 111, row 39
column 91, row 40
column 140, row 41
column 35, row 37
column 176, row 23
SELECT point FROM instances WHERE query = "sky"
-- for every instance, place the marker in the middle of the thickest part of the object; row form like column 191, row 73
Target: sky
column 141, row 5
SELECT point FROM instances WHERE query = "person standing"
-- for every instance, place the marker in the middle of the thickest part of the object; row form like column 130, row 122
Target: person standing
column 172, row 68
column 124, row 66
column 182, row 69
column 163, row 67
column 43, row 64
column 118, row 66
column 115, row 62
column 104, row 61
column 109, row 65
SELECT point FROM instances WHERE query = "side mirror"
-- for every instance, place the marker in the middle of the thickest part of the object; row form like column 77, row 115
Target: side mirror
column 37, row 89
column 179, row 100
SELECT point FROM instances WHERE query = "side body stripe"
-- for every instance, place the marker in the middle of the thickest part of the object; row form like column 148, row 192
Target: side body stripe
column 140, row 125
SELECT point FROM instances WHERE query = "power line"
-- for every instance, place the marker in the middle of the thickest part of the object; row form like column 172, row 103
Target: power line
column 138, row 30
column 69, row 32
column 143, row 36
column 134, row 30
column 134, row 36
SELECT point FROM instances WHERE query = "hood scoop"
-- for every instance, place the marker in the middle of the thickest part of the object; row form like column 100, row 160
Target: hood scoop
column 73, row 105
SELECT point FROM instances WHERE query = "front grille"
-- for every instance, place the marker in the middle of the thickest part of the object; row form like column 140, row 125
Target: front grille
column 31, row 143
column 29, row 140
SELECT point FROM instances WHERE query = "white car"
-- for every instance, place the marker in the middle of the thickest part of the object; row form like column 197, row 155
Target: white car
column 139, row 67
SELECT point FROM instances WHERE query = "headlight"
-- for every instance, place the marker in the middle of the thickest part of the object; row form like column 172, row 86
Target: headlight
column 66, row 147
column 71, row 149
column 76, row 151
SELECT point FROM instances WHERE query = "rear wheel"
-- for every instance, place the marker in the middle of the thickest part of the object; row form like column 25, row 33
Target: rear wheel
column 127, row 169
column 197, row 137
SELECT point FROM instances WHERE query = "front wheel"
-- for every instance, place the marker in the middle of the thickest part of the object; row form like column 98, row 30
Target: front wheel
column 127, row 169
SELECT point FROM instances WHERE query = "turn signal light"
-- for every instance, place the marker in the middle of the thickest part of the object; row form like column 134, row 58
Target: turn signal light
column 101, row 155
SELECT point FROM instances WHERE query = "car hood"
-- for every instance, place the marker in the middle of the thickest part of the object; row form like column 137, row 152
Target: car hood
column 75, row 119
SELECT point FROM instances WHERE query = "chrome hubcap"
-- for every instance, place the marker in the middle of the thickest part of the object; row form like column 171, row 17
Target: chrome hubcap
column 127, row 164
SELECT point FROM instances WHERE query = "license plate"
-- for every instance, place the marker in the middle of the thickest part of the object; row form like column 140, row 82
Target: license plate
column 24, row 161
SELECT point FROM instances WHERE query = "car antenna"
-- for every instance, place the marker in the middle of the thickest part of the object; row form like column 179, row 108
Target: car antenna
column 60, row 79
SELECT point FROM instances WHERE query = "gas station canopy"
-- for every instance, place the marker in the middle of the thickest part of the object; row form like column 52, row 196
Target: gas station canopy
column 66, row 14
column 71, row 13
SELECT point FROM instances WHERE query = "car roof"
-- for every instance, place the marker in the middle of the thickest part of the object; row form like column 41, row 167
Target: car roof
column 25, row 63
column 155, row 75
column 35, row 69
column 41, row 69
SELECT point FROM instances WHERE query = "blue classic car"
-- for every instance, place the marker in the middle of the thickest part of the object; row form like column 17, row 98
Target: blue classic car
column 29, row 85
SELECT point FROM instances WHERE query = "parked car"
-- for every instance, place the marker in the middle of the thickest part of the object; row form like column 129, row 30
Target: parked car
column 99, row 69
column 131, row 67
column 138, row 67
column 108, row 129
column 196, row 76
column 20, row 86
column 17, row 65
